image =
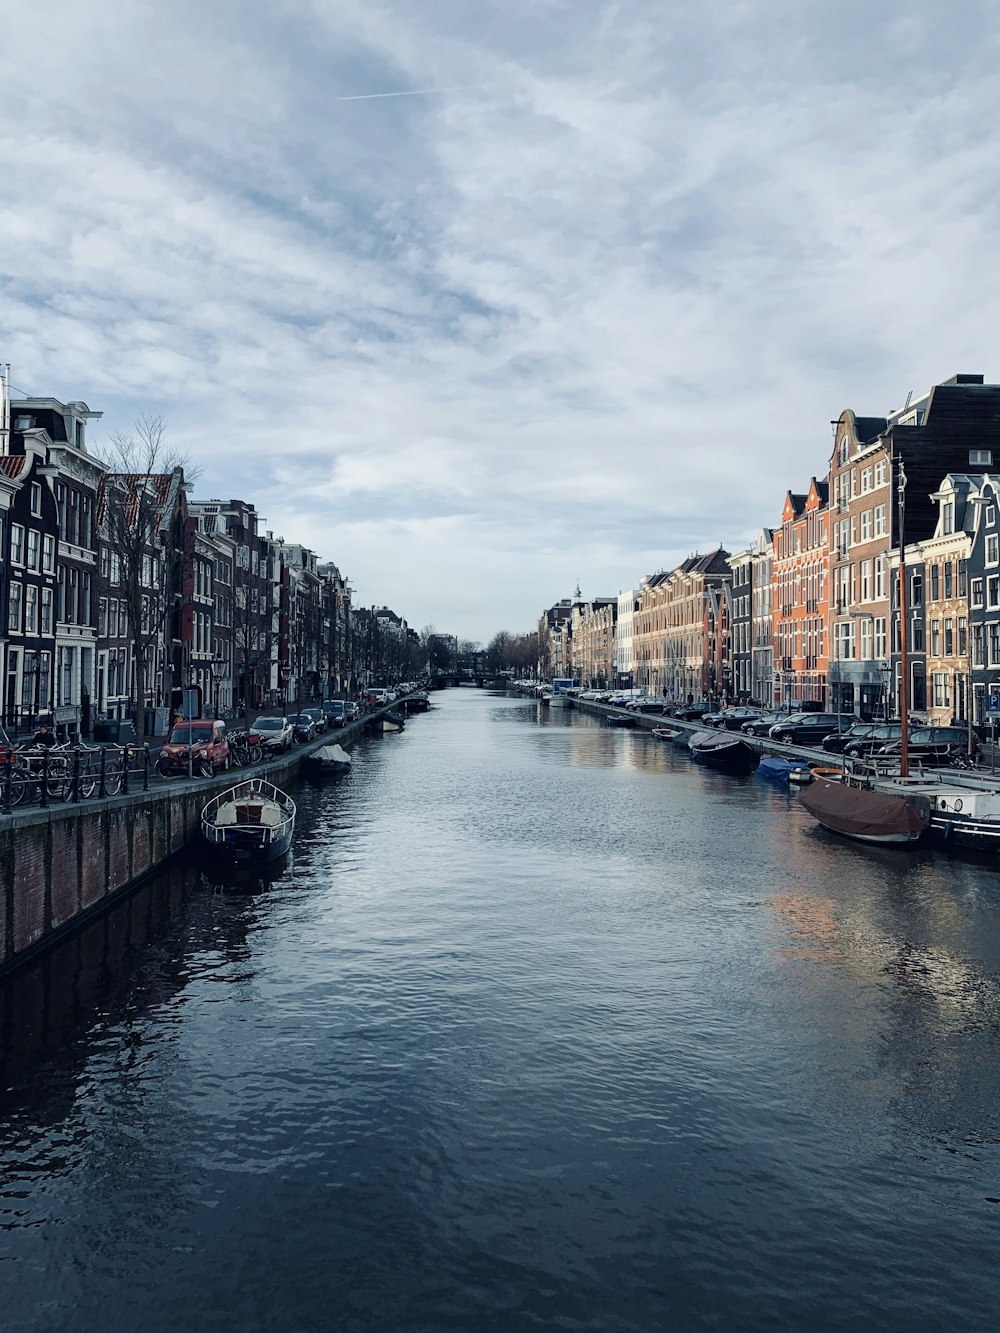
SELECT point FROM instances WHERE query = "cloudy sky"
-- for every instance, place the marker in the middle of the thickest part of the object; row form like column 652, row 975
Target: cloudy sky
column 482, row 299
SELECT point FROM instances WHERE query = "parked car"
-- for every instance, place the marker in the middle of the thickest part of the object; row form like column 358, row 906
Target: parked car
column 763, row 722
column 303, row 728
column 275, row 733
column 334, row 710
column 860, row 747
column 731, row 719
column 207, row 743
column 934, row 746
column 805, row 728
column 318, row 718
column 645, row 706
column 838, row 741
column 690, row 712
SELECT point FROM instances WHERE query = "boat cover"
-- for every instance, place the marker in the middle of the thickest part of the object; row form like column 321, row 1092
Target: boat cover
column 332, row 754
column 859, row 812
column 777, row 769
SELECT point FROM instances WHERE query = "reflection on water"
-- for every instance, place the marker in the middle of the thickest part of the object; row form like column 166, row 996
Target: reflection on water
column 539, row 1025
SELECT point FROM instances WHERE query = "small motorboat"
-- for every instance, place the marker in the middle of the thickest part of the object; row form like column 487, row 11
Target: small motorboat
column 723, row 750
column 326, row 762
column 249, row 823
column 387, row 722
column 620, row 720
column 775, row 768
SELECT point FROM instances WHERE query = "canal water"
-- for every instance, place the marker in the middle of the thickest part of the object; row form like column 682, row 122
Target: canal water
column 541, row 1027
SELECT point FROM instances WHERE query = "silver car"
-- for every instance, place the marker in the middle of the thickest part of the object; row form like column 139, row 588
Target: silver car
column 275, row 733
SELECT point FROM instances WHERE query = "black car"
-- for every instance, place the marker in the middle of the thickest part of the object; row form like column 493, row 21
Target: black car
column 838, row 742
column 731, row 719
column 934, row 746
column 763, row 722
column 860, row 747
column 303, row 728
column 805, row 728
column 690, row 712
column 318, row 718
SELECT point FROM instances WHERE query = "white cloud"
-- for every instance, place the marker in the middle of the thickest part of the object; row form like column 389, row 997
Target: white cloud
column 589, row 312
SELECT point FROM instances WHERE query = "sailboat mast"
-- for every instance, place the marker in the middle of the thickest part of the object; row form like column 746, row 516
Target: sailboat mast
column 904, row 667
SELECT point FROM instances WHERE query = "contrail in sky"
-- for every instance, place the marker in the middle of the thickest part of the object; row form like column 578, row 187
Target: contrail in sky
column 411, row 92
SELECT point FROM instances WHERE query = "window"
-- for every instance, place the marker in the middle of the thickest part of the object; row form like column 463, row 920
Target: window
column 866, row 580
column 31, row 609
column 917, row 634
column 981, row 457
column 880, row 521
column 940, row 689
column 916, row 589
column 993, row 592
column 866, row 480
column 949, row 637
column 935, row 583
column 14, row 608
column 102, row 617
column 34, row 548
column 16, row 544
column 46, row 619
column 963, row 576
column 880, row 473
column 977, row 593
column 992, row 548
column 879, row 577
column 948, row 579
column 994, row 631
column 963, row 637
column 44, row 674
column 48, row 554
column 978, row 646
column 879, row 637
column 28, row 680
column 866, row 525
column 36, row 499
column 866, row 640
column 935, row 638
column 948, row 516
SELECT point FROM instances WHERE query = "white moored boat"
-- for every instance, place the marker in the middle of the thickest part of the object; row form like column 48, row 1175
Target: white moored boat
column 250, row 823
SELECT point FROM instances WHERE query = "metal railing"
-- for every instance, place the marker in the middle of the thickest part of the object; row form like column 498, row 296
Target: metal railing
column 42, row 776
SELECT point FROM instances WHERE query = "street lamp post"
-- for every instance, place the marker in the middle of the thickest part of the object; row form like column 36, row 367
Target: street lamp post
column 285, row 671
column 218, row 669
column 191, row 688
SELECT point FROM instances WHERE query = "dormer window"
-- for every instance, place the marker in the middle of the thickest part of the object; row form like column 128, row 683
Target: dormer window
column 22, row 423
column 980, row 457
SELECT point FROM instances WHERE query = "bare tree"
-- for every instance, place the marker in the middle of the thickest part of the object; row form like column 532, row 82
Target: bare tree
column 142, row 519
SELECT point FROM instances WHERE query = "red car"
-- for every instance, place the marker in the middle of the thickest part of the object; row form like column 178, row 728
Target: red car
column 207, row 743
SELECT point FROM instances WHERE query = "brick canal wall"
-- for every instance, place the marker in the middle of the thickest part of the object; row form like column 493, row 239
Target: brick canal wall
column 62, row 864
